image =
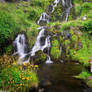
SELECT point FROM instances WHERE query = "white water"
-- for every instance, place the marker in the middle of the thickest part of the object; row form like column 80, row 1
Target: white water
column 63, row 2
column 20, row 44
column 56, row 2
column 48, row 61
column 67, row 10
column 44, row 17
column 37, row 45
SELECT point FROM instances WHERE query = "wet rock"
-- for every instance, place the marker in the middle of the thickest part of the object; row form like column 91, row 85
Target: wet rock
column 42, row 41
column 50, row 9
column 39, row 57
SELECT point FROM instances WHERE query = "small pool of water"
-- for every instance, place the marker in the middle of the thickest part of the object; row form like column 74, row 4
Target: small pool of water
column 59, row 78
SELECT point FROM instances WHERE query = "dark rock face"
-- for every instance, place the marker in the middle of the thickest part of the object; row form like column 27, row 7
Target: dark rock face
column 42, row 41
column 50, row 8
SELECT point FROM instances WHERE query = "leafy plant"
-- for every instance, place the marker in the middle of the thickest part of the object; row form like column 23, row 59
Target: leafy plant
column 15, row 77
column 55, row 51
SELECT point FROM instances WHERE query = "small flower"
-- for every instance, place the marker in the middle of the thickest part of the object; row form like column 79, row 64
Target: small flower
column 27, row 78
column 20, row 84
column 36, row 66
column 25, row 64
column 23, row 78
column 32, row 65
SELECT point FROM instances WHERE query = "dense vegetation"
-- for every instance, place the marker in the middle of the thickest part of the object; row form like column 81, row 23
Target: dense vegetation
column 22, row 16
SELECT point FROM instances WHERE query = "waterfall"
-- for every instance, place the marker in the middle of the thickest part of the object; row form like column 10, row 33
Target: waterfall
column 63, row 2
column 44, row 18
column 67, row 7
column 37, row 45
column 21, row 47
column 20, row 44
column 56, row 2
column 48, row 45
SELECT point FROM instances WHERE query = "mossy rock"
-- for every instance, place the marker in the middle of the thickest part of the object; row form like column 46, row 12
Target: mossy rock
column 39, row 57
column 55, row 50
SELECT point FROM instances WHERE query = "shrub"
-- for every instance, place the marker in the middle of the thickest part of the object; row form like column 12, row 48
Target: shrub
column 55, row 51
column 16, row 78
column 88, row 26
column 7, row 26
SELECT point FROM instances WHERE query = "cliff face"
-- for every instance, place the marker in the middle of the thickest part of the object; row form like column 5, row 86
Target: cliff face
column 69, row 27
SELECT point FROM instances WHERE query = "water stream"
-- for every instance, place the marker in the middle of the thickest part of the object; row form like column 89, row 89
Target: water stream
column 20, row 40
column 67, row 4
column 59, row 78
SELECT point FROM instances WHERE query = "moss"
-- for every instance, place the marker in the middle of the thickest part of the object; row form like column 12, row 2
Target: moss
column 83, row 75
column 32, row 33
column 55, row 51
column 85, row 8
column 39, row 58
column 83, row 55
column 82, row 8
column 89, row 83
column 57, row 13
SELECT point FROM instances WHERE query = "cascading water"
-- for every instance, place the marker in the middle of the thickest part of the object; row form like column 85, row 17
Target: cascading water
column 67, row 7
column 44, row 18
column 63, row 2
column 37, row 45
column 55, row 3
column 21, row 48
column 52, row 6
column 48, row 45
column 20, row 41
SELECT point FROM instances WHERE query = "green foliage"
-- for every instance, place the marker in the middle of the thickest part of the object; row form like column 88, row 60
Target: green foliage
column 40, row 3
column 88, row 26
column 83, row 55
column 57, row 13
column 77, row 1
column 83, row 75
column 7, row 26
column 16, row 77
column 32, row 34
column 55, row 51
column 8, row 49
column 85, row 8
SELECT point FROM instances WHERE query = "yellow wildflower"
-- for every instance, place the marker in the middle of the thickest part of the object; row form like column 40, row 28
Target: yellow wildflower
column 25, row 64
column 20, row 84
column 32, row 65
column 27, row 78
column 23, row 78
column 36, row 66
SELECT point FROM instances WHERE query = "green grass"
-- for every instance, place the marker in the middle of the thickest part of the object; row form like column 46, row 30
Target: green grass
column 15, row 77
column 55, row 51
column 83, row 55
column 83, row 75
